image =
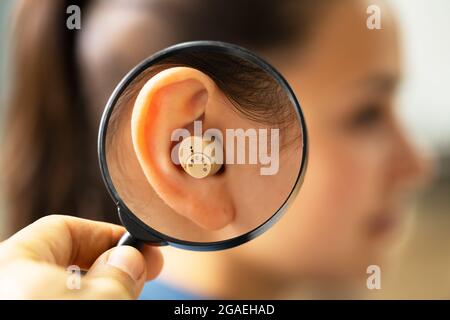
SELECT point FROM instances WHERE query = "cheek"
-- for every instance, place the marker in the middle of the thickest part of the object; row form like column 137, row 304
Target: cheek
column 344, row 175
column 325, row 229
column 337, row 187
column 327, row 222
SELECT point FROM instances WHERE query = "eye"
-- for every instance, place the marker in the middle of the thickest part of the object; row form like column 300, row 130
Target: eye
column 367, row 116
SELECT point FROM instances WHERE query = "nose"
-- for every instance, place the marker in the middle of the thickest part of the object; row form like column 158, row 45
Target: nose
column 415, row 165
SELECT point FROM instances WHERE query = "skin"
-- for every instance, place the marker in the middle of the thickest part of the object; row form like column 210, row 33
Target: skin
column 361, row 168
column 348, row 212
column 37, row 257
column 146, row 178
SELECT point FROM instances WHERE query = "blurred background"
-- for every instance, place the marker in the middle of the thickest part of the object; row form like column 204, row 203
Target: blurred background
column 424, row 257
column 423, row 260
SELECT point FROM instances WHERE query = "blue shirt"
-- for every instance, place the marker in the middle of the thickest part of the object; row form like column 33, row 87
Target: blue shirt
column 159, row 290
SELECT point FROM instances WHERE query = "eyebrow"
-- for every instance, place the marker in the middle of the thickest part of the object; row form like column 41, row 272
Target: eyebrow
column 382, row 82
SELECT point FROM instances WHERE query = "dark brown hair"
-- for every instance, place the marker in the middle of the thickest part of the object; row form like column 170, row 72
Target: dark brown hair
column 50, row 162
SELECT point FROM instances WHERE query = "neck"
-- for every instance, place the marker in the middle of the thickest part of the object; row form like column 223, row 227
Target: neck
column 221, row 275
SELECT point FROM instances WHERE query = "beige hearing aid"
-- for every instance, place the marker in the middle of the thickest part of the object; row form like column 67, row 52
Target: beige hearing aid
column 197, row 157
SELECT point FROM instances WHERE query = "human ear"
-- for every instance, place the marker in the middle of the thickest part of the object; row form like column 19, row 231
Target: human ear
column 172, row 100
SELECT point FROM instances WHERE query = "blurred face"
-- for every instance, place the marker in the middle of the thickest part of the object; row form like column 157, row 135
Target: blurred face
column 361, row 164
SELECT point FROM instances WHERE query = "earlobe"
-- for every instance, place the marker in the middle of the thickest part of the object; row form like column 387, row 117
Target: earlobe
column 173, row 99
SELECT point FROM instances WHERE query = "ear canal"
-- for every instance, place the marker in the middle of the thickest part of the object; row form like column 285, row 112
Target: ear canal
column 197, row 157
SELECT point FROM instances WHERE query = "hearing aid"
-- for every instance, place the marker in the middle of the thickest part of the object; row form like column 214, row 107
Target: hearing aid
column 197, row 157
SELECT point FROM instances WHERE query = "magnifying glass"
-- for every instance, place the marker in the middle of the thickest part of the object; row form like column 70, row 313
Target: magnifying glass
column 202, row 146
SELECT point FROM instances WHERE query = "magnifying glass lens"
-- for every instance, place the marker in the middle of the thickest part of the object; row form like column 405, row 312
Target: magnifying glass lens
column 202, row 146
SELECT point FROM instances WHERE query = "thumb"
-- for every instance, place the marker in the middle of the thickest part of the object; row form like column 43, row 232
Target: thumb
column 119, row 273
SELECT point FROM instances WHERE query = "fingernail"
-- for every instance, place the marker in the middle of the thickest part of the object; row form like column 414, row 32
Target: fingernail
column 127, row 259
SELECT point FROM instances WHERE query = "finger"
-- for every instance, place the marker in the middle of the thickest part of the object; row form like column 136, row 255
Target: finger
column 153, row 259
column 18, row 282
column 64, row 240
column 119, row 273
column 116, row 274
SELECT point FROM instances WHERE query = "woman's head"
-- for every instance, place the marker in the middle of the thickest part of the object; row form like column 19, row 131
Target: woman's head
column 69, row 74
column 344, row 76
column 361, row 164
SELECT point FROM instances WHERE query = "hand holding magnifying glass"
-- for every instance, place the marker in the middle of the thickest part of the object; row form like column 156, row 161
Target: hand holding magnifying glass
column 202, row 146
column 45, row 260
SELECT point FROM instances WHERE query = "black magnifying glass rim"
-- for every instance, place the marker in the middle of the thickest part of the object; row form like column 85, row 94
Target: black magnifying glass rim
column 212, row 46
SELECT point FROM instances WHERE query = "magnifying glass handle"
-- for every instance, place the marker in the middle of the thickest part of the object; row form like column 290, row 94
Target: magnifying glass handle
column 128, row 240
